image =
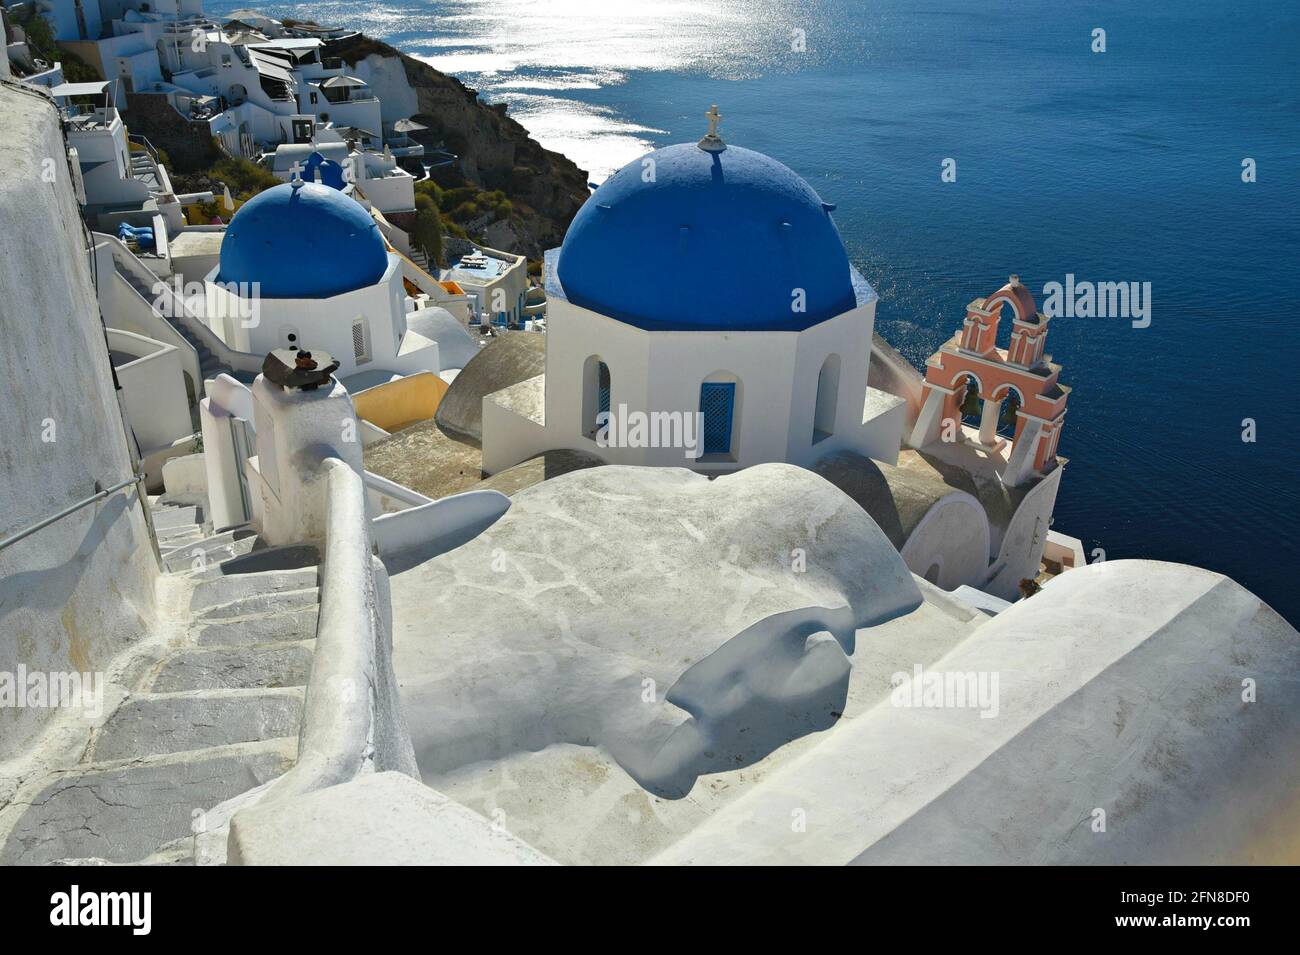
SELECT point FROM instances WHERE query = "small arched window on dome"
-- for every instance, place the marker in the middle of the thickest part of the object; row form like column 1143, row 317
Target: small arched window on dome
column 595, row 395
column 828, row 391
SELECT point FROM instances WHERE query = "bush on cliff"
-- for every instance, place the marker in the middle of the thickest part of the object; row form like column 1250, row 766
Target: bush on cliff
column 427, row 231
column 40, row 40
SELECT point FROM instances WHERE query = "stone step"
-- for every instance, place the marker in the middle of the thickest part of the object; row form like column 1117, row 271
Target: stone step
column 123, row 811
column 261, row 605
column 264, row 628
column 195, row 558
column 233, row 668
column 263, row 560
column 172, row 516
column 213, row 550
column 230, row 587
column 184, row 534
column 150, row 723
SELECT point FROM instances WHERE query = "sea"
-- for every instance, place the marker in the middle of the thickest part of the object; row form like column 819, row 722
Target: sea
column 966, row 140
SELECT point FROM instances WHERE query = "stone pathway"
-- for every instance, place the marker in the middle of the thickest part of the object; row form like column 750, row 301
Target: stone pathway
column 205, row 719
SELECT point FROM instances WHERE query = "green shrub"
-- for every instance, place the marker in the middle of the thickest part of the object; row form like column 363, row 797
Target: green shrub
column 245, row 179
column 464, row 212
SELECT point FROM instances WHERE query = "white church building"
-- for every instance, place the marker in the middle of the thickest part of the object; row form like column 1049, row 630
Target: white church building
column 304, row 265
column 701, row 279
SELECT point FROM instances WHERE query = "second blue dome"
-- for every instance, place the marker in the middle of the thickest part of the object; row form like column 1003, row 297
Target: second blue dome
column 303, row 240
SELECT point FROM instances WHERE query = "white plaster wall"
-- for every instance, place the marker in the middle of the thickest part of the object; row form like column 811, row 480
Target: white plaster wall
column 778, row 372
column 324, row 324
column 74, row 594
column 572, row 335
column 153, row 389
column 1021, row 549
column 296, row 431
column 764, row 362
column 386, row 78
column 663, row 371
column 954, row 534
column 363, row 114
column 390, row 193
column 123, row 308
column 881, row 436
column 849, row 336
column 509, row 437
column 229, row 404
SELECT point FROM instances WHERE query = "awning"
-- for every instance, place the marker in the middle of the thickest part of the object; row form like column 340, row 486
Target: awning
column 407, row 126
column 338, row 82
column 79, row 89
column 291, row 43
column 270, row 66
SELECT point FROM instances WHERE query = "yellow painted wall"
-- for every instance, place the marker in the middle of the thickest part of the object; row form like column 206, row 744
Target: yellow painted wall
column 401, row 403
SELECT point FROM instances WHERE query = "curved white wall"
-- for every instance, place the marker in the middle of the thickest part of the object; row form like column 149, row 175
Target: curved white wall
column 954, row 536
column 75, row 593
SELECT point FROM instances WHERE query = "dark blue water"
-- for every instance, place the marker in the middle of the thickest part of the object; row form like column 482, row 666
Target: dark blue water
column 1115, row 166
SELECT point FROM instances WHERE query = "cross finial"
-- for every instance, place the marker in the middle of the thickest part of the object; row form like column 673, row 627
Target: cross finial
column 295, row 172
column 712, row 142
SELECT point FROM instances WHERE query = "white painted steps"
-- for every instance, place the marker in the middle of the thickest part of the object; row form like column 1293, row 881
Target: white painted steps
column 207, row 720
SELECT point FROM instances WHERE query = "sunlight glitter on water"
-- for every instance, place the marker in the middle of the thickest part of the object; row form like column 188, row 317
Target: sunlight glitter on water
column 517, row 51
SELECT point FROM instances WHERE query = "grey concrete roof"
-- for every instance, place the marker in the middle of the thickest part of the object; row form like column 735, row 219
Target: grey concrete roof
column 427, row 460
column 1120, row 701
column 543, row 630
column 545, row 466
column 507, row 360
column 526, row 399
column 896, row 498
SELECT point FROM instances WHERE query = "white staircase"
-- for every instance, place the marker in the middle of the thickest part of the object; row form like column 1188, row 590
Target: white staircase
column 209, row 364
column 208, row 718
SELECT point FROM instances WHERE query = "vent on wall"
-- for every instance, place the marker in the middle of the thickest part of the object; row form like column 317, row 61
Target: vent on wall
column 360, row 347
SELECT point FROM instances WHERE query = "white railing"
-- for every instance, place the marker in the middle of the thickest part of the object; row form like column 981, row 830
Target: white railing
column 147, row 318
column 351, row 718
column 179, row 312
column 439, row 526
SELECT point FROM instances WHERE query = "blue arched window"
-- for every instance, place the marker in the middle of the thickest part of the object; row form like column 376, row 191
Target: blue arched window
column 595, row 395
column 718, row 405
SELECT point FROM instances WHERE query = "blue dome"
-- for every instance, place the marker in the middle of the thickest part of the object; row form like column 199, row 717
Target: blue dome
column 303, row 240
column 717, row 242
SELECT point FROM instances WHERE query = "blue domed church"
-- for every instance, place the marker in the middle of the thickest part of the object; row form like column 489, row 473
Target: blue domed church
column 702, row 312
column 304, row 265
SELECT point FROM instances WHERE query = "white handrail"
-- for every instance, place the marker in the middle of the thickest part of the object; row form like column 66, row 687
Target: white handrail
column 181, row 313
column 350, row 716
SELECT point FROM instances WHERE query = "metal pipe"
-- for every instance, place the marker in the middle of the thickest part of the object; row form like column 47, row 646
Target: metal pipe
column 97, row 496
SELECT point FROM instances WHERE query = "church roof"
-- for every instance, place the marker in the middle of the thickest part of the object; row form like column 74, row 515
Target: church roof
column 303, row 240
column 690, row 239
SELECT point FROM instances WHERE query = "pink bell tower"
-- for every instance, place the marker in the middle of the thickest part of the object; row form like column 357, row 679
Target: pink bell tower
column 1022, row 373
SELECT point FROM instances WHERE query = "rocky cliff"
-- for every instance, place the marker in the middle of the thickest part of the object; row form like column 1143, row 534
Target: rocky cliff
column 545, row 188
